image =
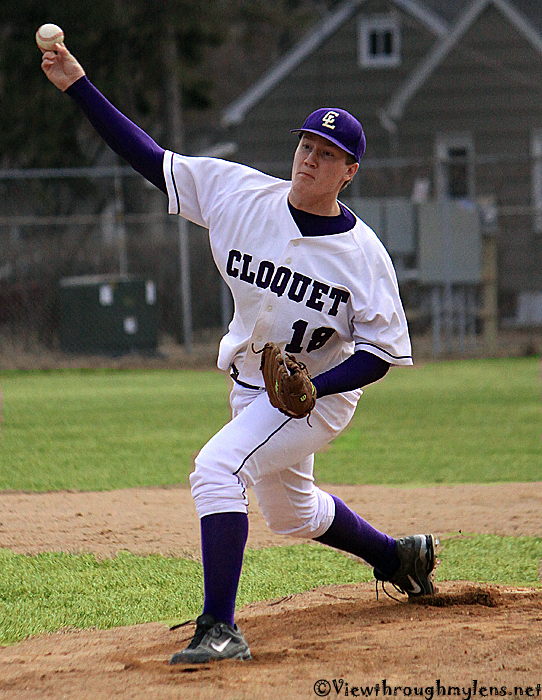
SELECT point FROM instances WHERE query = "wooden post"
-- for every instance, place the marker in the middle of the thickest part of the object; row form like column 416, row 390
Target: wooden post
column 489, row 293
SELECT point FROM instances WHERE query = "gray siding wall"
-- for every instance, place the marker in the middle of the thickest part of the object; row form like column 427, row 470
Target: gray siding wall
column 491, row 86
column 331, row 76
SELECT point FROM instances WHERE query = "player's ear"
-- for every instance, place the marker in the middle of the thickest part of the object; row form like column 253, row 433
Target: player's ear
column 352, row 170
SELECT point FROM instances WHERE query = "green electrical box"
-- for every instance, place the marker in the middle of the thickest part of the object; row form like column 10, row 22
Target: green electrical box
column 108, row 314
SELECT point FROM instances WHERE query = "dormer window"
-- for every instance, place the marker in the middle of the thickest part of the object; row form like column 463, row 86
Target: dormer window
column 379, row 41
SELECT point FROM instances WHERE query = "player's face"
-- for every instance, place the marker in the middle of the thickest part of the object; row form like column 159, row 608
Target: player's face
column 319, row 170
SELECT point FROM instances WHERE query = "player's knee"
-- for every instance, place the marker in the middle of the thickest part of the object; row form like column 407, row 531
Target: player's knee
column 308, row 518
column 301, row 523
column 210, row 468
column 207, row 478
column 216, row 490
column 304, row 530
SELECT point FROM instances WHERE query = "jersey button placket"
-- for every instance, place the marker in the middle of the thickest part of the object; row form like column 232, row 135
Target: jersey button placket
column 268, row 312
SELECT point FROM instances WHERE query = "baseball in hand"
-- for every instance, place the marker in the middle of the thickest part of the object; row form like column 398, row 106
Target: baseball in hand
column 48, row 35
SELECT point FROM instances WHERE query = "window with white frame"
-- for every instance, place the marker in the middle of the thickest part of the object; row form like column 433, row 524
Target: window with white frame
column 379, row 41
column 536, row 179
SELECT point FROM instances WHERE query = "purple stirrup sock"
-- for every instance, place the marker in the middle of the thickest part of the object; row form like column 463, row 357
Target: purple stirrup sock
column 350, row 533
column 223, row 539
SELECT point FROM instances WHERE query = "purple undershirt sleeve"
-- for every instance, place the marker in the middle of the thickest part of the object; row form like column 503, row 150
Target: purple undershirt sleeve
column 121, row 135
column 358, row 370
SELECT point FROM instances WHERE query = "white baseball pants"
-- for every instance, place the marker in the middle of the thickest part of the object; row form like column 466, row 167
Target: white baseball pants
column 265, row 450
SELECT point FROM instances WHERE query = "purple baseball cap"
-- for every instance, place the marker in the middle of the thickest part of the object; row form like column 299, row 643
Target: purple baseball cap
column 339, row 127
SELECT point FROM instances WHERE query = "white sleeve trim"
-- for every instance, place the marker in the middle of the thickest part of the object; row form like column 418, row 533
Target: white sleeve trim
column 383, row 354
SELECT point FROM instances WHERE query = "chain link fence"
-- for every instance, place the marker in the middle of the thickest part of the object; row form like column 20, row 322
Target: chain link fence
column 99, row 226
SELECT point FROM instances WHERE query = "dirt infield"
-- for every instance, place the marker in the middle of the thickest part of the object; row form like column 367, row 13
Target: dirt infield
column 470, row 640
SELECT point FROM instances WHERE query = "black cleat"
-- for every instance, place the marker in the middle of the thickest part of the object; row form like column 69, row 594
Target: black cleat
column 213, row 641
column 414, row 577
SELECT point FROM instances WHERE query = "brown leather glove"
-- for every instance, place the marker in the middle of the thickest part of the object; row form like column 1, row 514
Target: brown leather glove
column 287, row 382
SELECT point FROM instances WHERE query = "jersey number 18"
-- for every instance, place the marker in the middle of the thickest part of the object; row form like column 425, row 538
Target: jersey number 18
column 319, row 337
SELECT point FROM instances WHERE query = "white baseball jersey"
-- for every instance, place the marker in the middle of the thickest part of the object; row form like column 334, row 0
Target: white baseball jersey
column 321, row 298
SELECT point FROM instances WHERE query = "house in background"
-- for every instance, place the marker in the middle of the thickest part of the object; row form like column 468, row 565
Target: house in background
column 450, row 96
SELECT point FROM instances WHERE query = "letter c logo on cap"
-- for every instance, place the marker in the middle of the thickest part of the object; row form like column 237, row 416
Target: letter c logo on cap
column 328, row 120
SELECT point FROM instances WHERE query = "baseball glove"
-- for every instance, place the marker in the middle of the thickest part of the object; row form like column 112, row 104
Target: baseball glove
column 287, row 382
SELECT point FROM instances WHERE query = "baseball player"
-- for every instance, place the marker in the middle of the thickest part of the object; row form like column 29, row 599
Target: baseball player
column 309, row 276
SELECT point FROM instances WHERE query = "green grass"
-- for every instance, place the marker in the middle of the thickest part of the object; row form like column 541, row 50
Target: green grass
column 466, row 421
column 107, row 429
column 49, row 592
column 491, row 559
column 473, row 421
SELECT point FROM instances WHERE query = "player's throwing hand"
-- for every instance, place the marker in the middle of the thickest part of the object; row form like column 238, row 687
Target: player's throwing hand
column 61, row 67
